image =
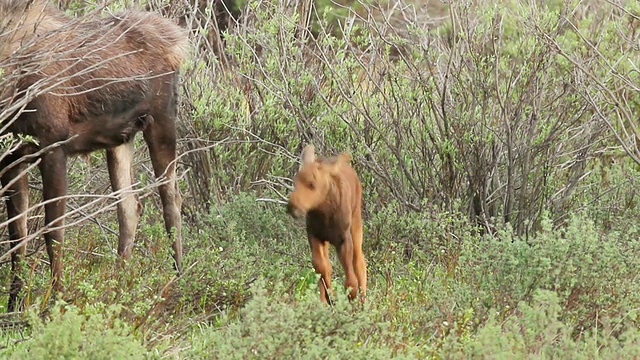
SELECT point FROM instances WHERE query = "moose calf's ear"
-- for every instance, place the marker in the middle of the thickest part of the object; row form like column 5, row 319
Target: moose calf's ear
column 342, row 159
column 308, row 154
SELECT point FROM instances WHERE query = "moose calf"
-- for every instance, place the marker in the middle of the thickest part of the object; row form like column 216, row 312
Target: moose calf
column 329, row 193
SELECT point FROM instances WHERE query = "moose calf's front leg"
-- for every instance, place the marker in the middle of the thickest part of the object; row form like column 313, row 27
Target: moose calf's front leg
column 322, row 266
column 53, row 169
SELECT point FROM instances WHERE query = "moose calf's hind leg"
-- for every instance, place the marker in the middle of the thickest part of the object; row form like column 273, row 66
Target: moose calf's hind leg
column 361, row 272
column 346, row 259
column 119, row 162
column 359, row 262
column 17, row 200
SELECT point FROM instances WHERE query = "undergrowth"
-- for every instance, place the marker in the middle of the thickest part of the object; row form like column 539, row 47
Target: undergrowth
column 250, row 292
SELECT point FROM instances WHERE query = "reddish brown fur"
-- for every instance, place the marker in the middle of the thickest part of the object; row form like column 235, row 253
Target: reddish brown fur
column 328, row 192
column 117, row 76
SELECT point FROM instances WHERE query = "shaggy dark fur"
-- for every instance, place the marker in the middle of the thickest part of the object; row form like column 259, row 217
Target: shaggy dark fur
column 99, row 81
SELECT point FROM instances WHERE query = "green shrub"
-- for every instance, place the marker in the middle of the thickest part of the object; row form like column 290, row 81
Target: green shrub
column 279, row 327
column 591, row 272
column 72, row 334
column 536, row 330
column 240, row 241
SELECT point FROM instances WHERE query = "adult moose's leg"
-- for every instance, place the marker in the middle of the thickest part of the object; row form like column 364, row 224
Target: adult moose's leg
column 119, row 162
column 17, row 200
column 322, row 266
column 345, row 253
column 53, row 169
column 161, row 140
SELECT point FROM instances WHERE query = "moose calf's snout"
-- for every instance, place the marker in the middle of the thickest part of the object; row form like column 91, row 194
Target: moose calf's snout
column 293, row 211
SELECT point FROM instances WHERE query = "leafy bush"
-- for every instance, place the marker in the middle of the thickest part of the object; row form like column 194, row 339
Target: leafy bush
column 239, row 242
column 273, row 328
column 72, row 334
column 535, row 329
column 592, row 273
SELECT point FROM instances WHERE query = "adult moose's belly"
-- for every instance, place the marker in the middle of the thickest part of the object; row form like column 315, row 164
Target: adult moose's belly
column 108, row 130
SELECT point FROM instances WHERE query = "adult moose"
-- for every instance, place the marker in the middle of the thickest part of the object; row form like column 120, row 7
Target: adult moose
column 328, row 192
column 98, row 82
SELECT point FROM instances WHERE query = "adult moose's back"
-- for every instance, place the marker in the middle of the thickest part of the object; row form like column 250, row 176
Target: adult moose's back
column 97, row 82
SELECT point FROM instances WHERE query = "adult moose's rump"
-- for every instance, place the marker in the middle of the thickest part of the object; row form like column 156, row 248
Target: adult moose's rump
column 88, row 84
